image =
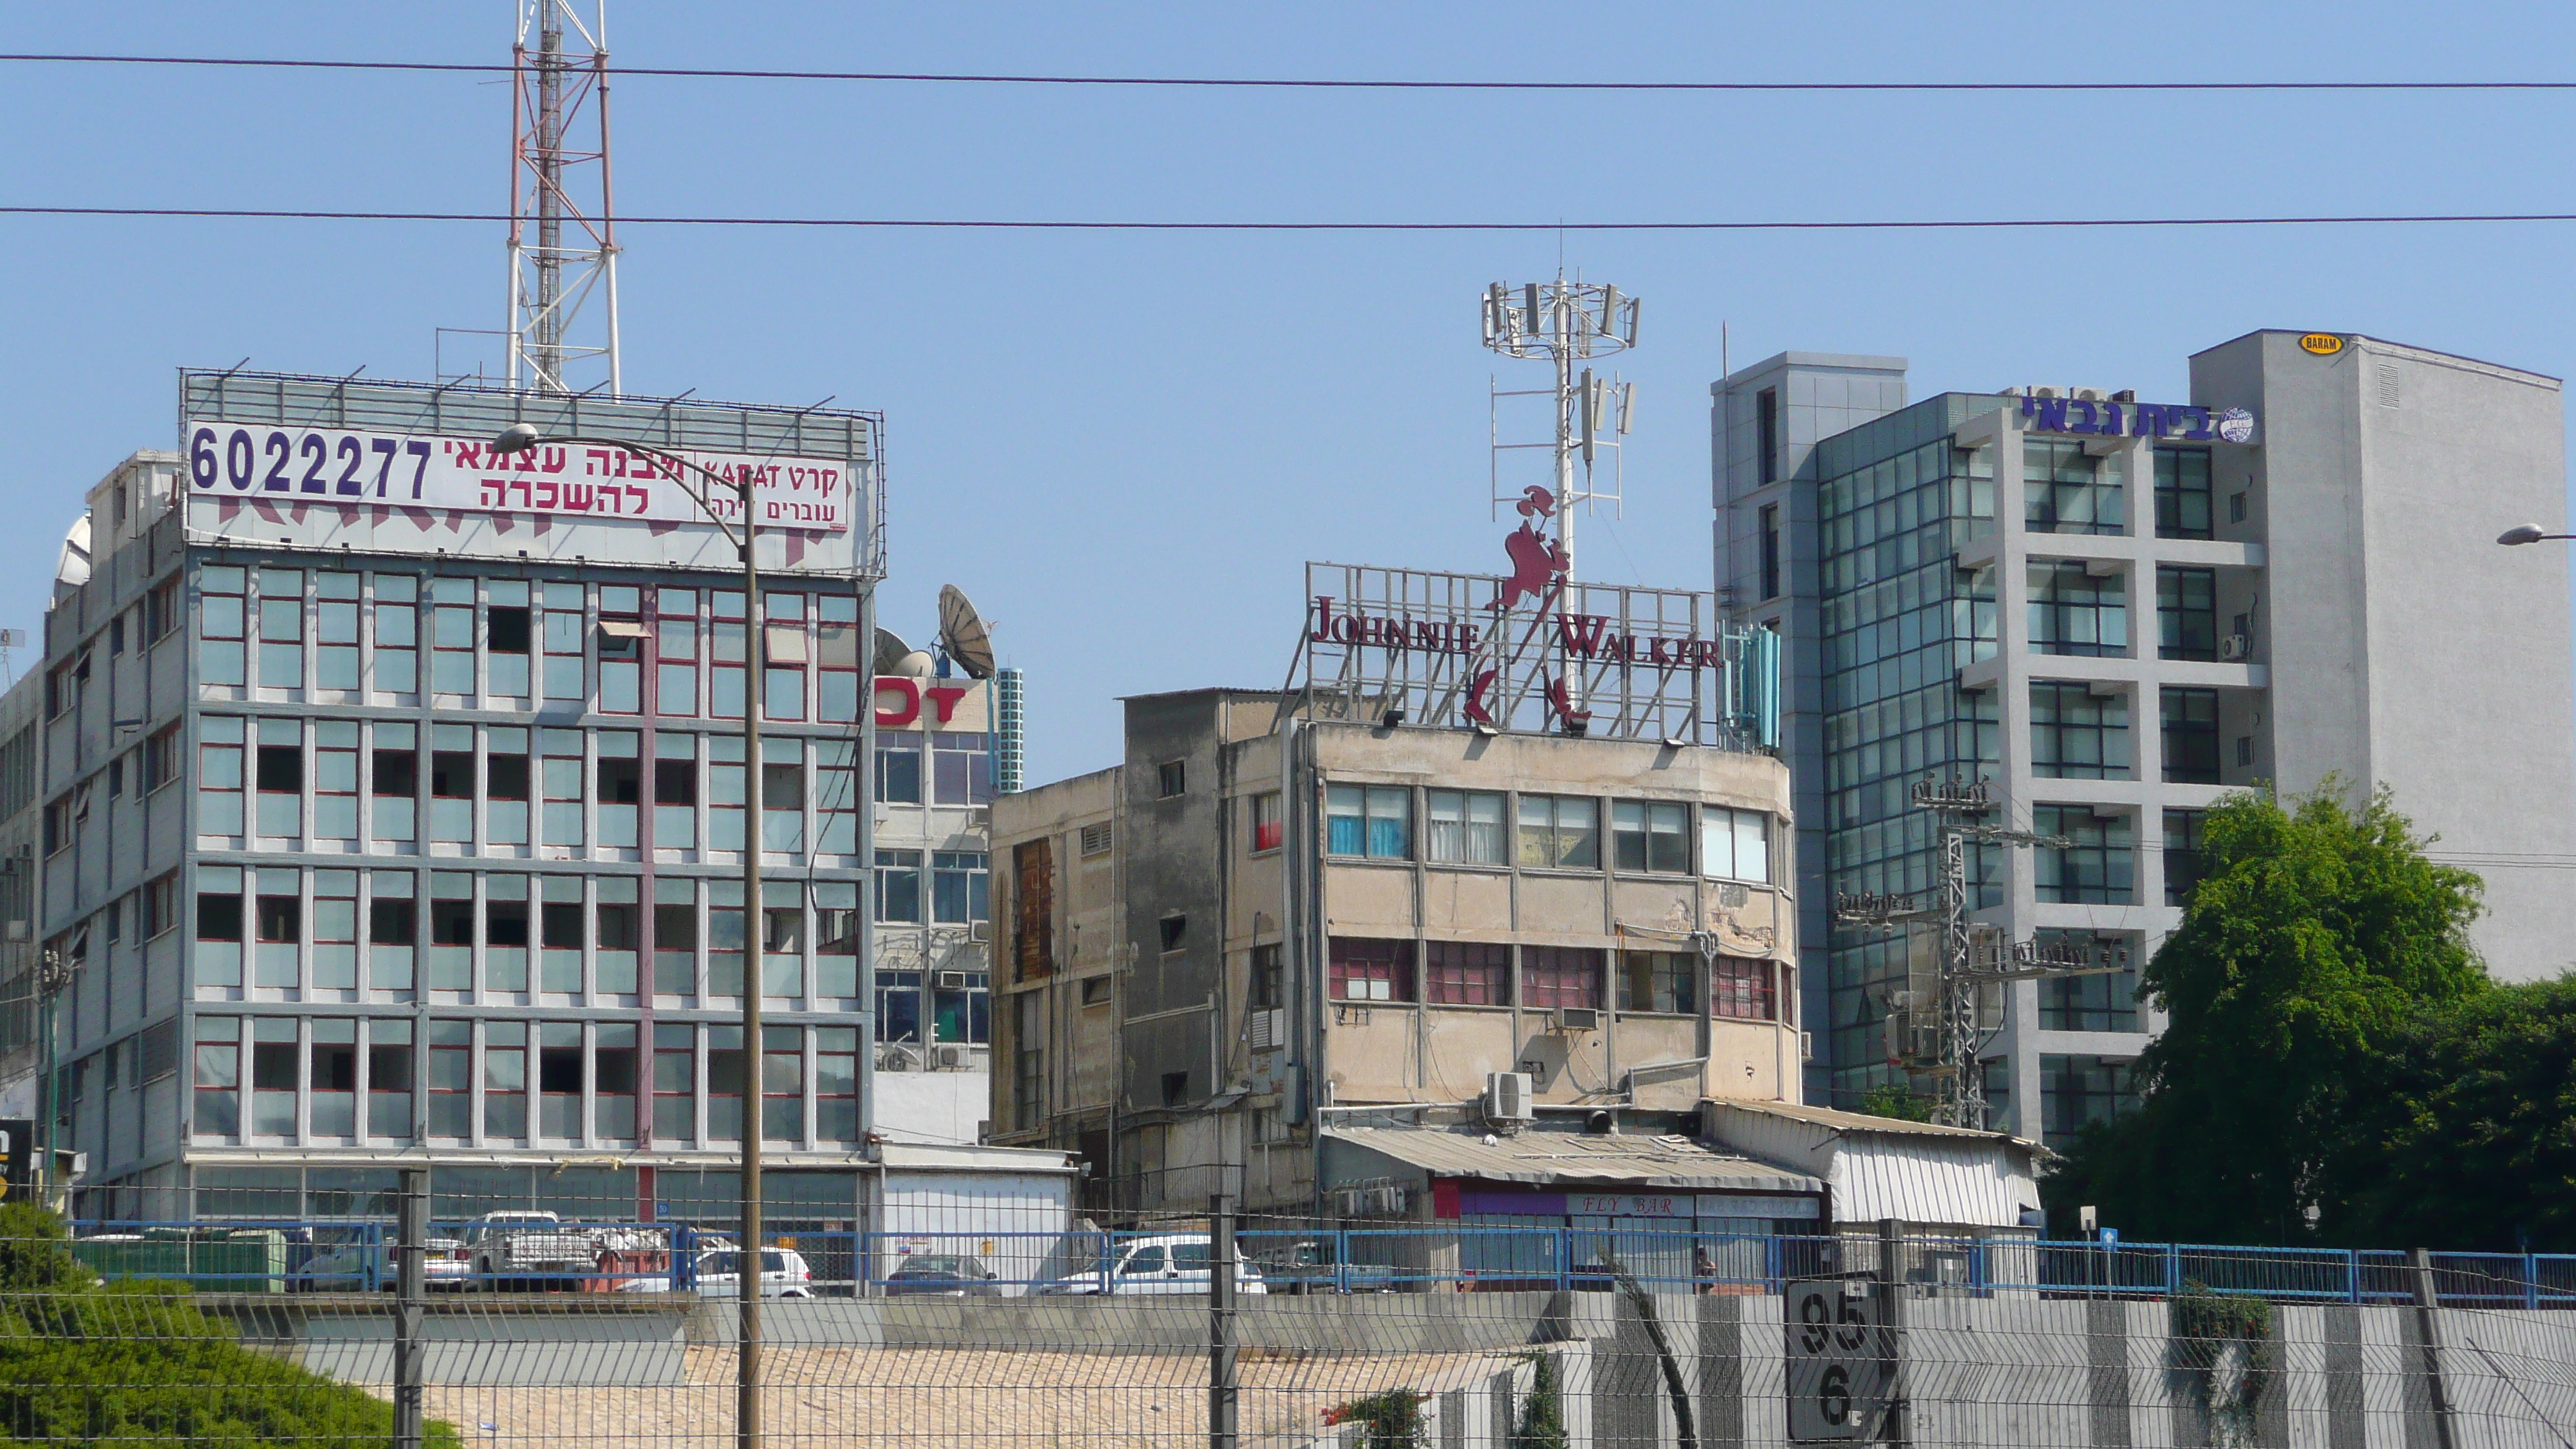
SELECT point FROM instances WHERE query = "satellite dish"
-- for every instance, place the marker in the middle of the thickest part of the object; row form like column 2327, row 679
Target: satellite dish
column 890, row 652
column 918, row 664
column 964, row 634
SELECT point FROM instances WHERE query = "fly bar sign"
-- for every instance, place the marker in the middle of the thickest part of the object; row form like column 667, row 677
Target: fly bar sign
column 1839, row 1370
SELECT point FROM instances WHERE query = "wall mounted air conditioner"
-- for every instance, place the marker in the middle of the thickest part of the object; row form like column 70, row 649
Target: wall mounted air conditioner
column 950, row 980
column 980, row 932
column 948, row 1056
column 1577, row 1018
column 2235, row 646
column 1806, row 1046
column 1507, row 1097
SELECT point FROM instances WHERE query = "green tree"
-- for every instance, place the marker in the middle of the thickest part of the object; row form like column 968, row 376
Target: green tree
column 2316, row 934
column 136, row 1362
column 1893, row 1099
column 2463, row 1132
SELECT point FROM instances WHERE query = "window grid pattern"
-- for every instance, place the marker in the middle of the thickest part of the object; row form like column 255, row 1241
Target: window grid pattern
column 2067, row 490
column 2097, row 867
column 2186, row 613
column 2073, row 611
column 2183, row 493
column 1899, row 620
column 2076, row 734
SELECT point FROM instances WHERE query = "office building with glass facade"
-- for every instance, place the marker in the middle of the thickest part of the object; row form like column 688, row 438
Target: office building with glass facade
column 384, row 831
column 2117, row 612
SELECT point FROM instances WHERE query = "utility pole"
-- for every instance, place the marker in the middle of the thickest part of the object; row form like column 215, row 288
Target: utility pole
column 1956, row 1031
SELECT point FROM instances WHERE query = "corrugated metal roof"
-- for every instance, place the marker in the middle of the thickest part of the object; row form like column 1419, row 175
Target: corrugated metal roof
column 1860, row 1121
column 1543, row 1158
column 1883, row 1168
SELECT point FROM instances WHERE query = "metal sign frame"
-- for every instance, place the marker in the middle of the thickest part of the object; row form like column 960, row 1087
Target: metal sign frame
column 1531, row 653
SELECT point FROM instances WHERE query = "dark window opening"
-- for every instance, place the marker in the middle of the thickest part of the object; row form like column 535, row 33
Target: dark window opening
column 219, row 917
column 621, row 782
column 1176, row 1088
column 1176, row 929
column 1766, row 436
column 281, row 918
column 2190, row 736
column 392, row 923
column 675, row 782
column 281, row 769
column 505, row 630
column 396, row 772
column 451, row 774
column 505, row 923
column 451, row 923
column 1770, row 529
column 1171, row 778
column 272, row 1066
column 561, row 923
column 559, row 1070
column 616, row 927
column 505, row 777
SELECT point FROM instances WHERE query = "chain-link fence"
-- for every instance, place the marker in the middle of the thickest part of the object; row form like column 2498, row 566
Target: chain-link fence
column 420, row 1317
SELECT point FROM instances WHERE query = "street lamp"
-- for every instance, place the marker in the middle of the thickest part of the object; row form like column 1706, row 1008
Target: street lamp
column 2527, row 533
column 519, row 438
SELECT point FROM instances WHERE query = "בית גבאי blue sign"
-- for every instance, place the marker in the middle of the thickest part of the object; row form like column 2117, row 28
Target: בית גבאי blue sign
column 2185, row 421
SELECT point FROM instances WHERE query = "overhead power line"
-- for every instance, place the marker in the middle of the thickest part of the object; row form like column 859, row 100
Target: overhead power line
column 978, row 224
column 1298, row 83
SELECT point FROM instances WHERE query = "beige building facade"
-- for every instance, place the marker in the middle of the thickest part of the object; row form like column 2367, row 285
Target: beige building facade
column 1260, row 927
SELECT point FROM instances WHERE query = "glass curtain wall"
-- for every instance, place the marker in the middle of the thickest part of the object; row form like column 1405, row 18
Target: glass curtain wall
column 1900, row 618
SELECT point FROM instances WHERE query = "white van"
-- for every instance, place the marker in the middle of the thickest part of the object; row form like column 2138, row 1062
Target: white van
column 1167, row 1263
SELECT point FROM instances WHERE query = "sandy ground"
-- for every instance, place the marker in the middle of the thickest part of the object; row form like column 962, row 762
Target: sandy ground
column 954, row 1397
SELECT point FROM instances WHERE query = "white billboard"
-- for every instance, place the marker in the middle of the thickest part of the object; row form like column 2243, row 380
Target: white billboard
column 383, row 472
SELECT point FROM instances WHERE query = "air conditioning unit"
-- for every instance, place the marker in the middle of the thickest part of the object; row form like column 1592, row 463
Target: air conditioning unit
column 2235, row 646
column 948, row 1056
column 1577, row 1018
column 980, row 932
column 949, row 980
column 1507, row 1097
column 1806, row 1046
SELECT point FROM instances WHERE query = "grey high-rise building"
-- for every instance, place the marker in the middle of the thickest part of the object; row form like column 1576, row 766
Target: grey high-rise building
column 1965, row 584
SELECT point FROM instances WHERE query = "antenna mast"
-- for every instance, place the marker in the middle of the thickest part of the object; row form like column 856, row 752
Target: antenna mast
column 563, row 248
column 1568, row 323
column 1951, row 1004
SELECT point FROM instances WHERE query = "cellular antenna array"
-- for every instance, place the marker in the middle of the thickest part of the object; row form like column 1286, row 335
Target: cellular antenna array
column 1568, row 324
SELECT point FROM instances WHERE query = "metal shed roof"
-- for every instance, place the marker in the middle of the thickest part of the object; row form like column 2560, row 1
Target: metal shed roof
column 1884, row 1168
column 1565, row 1158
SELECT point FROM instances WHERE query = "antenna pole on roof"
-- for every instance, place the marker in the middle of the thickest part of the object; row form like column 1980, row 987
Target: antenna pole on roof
column 563, row 248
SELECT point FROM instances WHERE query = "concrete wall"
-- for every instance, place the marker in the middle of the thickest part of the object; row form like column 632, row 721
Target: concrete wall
column 2405, row 647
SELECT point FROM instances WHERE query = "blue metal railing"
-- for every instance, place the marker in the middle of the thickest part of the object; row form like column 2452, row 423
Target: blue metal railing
column 253, row 1255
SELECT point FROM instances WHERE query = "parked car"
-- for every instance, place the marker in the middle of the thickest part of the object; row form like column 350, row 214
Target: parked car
column 783, row 1274
column 1161, row 1264
column 942, row 1275
column 343, row 1267
column 1308, row 1266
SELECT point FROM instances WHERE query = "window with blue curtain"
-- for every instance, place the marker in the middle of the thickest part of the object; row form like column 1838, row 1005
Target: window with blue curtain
column 1375, row 821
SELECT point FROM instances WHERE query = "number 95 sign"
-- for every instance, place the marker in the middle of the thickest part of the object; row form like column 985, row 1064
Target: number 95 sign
column 1836, row 1374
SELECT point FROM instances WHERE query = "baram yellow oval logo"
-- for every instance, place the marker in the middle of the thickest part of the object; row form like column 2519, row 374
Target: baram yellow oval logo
column 2323, row 344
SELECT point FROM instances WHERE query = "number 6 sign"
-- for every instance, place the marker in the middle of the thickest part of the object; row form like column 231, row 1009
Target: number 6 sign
column 1836, row 1374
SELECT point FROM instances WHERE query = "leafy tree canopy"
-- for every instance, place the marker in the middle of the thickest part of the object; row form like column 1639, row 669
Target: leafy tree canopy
column 2317, row 933
column 136, row 1362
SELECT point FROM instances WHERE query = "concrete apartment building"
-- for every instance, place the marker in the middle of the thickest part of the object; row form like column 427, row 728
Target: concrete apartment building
column 1964, row 586
column 940, row 743
column 392, row 807
column 1253, row 932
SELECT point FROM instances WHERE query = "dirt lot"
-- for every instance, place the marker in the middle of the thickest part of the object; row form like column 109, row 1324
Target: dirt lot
column 954, row 1397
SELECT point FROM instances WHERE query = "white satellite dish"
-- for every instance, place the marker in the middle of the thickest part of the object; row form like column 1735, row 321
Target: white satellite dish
column 889, row 653
column 964, row 634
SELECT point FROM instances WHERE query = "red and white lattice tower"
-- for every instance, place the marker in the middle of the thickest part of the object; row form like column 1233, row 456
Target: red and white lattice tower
column 563, row 243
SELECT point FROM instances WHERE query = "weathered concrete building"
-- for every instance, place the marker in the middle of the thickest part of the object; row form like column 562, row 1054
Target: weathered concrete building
column 393, row 807
column 1257, row 927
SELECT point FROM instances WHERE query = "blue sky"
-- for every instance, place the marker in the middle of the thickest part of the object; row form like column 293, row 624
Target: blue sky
column 1124, row 445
